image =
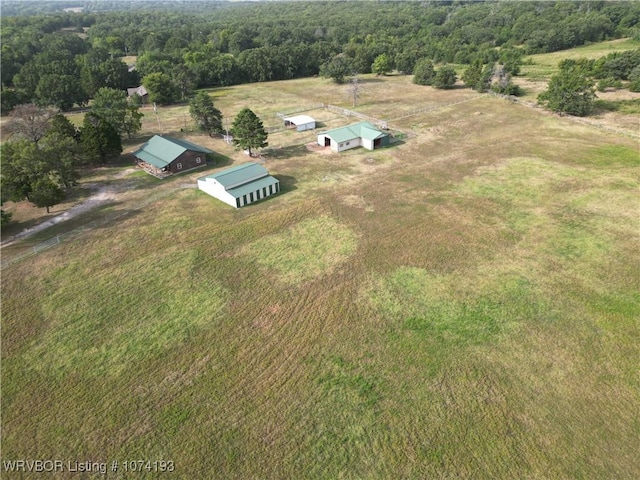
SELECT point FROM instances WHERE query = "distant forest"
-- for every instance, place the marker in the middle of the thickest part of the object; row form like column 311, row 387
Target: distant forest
column 53, row 57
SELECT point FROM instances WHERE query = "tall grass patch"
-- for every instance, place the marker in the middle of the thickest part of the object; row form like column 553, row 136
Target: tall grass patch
column 100, row 322
column 308, row 250
column 440, row 311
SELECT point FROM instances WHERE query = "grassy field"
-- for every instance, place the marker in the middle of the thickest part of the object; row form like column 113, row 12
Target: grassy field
column 543, row 65
column 462, row 304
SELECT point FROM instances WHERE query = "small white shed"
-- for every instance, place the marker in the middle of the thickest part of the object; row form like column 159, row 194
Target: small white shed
column 300, row 122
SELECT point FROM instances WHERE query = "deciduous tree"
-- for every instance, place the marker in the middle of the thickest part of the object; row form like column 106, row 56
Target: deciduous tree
column 161, row 88
column 61, row 91
column 569, row 91
column 30, row 122
column 112, row 106
column 381, row 65
column 337, row 68
column 46, row 192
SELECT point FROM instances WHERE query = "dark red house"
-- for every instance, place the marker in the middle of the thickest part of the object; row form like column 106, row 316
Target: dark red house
column 162, row 156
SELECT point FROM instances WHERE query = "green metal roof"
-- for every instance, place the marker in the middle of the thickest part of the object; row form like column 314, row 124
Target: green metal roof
column 236, row 176
column 364, row 130
column 247, row 188
column 161, row 151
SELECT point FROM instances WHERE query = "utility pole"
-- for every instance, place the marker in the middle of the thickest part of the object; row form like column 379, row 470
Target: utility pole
column 155, row 109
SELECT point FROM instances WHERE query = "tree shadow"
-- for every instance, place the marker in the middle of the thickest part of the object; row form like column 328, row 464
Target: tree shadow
column 394, row 144
column 287, row 183
column 284, row 153
column 219, row 160
column 89, row 219
column 369, row 80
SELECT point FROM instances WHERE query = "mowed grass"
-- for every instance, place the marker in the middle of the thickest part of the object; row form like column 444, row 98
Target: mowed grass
column 463, row 304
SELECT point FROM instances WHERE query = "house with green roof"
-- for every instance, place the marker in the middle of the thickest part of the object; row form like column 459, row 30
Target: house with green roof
column 162, row 156
column 363, row 134
column 240, row 185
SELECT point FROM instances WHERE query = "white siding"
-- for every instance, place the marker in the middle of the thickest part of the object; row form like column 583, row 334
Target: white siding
column 216, row 190
column 306, row 126
column 368, row 144
column 353, row 143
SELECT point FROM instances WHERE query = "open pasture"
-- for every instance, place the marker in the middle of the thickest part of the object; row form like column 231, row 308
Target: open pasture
column 543, row 65
column 462, row 304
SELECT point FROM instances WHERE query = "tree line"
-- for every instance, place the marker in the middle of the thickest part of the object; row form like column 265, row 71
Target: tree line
column 63, row 59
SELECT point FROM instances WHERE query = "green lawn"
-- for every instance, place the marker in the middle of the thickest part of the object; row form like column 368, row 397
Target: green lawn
column 543, row 65
column 462, row 304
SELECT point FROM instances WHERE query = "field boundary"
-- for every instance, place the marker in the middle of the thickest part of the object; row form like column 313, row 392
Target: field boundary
column 63, row 237
column 583, row 121
column 436, row 107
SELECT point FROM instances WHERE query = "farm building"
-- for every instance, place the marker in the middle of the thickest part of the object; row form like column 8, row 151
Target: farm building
column 162, row 156
column 241, row 185
column 140, row 91
column 300, row 122
column 363, row 134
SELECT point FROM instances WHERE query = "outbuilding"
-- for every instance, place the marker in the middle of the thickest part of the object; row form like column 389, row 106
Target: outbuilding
column 162, row 156
column 240, row 185
column 363, row 134
column 139, row 91
column 300, row 122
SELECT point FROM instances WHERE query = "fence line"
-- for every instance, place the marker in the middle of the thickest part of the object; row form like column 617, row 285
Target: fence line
column 299, row 110
column 53, row 241
column 583, row 121
column 432, row 108
column 351, row 113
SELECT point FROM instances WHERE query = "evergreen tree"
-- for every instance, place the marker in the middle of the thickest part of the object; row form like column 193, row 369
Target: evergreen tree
column 472, row 76
column 445, row 77
column 634, row 79
column 99, row 140
column 205, row 114
column 423, row 72
column 62, row 127
column 248, row 131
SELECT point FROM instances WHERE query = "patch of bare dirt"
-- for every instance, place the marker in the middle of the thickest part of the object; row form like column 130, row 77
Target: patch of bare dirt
column 314, row 147
column 103, row 195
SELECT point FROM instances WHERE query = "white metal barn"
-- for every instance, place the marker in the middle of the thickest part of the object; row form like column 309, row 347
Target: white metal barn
column 300, row 122
column 363, row 134
column 241, row 185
